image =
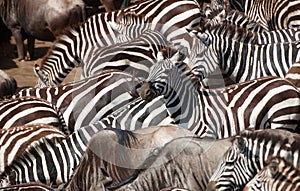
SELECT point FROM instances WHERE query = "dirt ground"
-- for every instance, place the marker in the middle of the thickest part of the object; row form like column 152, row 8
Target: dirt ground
column 23, row 71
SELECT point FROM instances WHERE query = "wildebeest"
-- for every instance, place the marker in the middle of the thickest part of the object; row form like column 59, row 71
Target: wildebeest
column 113, row 154
column 184, row 162
column 43, row 19
column 8, row 85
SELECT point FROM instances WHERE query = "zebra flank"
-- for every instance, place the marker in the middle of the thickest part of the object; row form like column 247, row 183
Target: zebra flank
column 76, row 44
column 249, row 154
column 87, row 101
column 15, row 140
column 29, row 110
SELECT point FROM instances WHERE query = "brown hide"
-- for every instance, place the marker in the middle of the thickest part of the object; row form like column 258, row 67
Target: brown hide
column 43, row 19
column 111, row 5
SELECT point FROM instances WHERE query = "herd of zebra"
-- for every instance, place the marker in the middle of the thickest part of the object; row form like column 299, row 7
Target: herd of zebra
column 173, row 95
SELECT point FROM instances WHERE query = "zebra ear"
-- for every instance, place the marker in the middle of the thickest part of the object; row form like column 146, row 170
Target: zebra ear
column 113, row 25
column 273, row 167
column 37, row 71
column 239, row 142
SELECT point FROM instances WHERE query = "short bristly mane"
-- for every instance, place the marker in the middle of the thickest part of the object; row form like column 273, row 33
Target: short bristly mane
column 231, row 32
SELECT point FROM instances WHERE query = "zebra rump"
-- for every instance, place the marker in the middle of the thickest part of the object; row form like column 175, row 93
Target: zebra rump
column 15, row 140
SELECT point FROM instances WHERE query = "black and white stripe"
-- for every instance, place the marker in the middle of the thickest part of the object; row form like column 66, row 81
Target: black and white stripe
column 249, row 154
column 15, row 140
column 29, row 110
column 135, row 56
column 37, row 166
column 89, row 100
column 74, row 46
column 269, row 102
column 243, row 55
column 272, row 14
column 279, row 175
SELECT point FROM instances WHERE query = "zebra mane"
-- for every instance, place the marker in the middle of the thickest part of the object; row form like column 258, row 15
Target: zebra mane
column 230, row 31
column 132, row 18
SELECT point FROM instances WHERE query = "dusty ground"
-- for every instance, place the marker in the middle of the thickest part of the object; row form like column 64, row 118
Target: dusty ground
column 23, row 71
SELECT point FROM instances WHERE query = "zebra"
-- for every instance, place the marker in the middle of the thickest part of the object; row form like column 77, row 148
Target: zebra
column 249, row 154
column 272, row 14
column 29, row 110
column 22, row 137
column 54, row 163
column 238, row 53
column 89, row 100
column 238, row 19
column 269, row 102
column 134, row 56
column 73, row 47
column 279, row 174
column 293, row 74
column 186, row 162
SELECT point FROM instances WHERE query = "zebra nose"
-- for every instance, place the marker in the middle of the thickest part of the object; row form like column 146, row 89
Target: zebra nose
column 145, row 91
column 211, row 186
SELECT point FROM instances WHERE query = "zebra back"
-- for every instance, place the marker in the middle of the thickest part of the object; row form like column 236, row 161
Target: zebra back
column 249, row 154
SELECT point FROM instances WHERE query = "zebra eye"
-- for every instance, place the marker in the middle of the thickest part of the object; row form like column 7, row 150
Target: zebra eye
column 204, row 38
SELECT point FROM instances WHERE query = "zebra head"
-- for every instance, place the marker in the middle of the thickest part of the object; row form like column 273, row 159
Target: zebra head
column 248, row 155
column 278, row 175
column 164, row 75
column 204, row 59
